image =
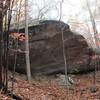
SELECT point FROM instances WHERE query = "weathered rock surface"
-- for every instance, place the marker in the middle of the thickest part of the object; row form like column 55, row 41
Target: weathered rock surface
column 46, row 53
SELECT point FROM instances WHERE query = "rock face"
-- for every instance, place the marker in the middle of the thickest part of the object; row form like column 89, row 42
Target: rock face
column 46, row 53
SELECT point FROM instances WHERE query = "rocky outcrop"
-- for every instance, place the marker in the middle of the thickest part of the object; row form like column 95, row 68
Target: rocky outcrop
column 46, row 53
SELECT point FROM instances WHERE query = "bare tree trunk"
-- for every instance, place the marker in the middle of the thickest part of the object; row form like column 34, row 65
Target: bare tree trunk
column 1, row 24
column 93, row 26
column 95, row 37
column 27, row 44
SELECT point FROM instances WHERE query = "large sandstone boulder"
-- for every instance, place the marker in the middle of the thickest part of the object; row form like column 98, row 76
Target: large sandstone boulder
column 46, row 53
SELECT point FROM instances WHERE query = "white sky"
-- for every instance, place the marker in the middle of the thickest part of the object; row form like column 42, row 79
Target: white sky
column 71, row 9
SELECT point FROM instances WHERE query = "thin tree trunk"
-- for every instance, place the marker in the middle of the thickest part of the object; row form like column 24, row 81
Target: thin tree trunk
column 1, row 24
column 95, row 37
column 27, row 44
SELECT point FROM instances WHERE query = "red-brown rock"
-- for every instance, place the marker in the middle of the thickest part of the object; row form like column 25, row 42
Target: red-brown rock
column 46, row 53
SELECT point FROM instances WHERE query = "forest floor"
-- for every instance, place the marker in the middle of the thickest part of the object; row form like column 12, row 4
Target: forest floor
column 52, row 87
